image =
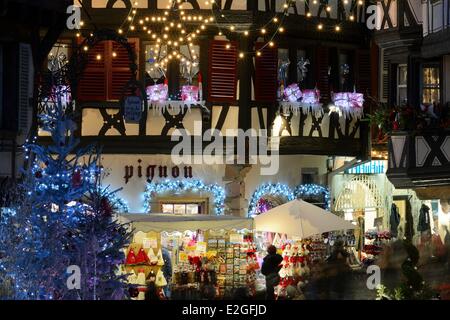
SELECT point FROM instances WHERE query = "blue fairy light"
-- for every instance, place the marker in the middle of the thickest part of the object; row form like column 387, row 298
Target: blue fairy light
column 217, row 191
column 276, row 189
column 314, row 190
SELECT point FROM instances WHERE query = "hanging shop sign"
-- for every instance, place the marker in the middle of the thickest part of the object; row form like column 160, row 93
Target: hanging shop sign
column 371, row 167
column 153, row 170
column 132, row 109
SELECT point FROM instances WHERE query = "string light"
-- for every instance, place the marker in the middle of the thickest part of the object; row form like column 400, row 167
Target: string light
column 164, row 187
column 281, row 190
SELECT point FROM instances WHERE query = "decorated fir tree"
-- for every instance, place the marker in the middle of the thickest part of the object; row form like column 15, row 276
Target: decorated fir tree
column 64, row 219
column 101, row 242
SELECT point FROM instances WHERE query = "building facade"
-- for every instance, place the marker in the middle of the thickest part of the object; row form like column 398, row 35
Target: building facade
column 239, row 59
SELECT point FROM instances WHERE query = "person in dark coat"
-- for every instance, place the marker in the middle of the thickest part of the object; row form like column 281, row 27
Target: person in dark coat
column 394, row 220
column 270, row 268
column 338, row 270
column 167, row 271
column 424, row 219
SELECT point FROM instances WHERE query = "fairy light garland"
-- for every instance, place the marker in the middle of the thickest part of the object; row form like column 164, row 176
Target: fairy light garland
column 283, row 190
column 155, row 188
column 313, row 190
column 265, row 189
column 143, row 24
column 286, row 6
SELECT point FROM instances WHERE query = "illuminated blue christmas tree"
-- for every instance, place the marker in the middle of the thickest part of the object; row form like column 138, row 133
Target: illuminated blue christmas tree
column 64, row 219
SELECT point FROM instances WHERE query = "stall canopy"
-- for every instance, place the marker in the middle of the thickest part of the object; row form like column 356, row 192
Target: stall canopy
column 170, row 223
column 301, row 219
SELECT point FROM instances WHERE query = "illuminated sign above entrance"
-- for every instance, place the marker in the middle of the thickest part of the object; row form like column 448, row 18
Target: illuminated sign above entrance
column 371, row 167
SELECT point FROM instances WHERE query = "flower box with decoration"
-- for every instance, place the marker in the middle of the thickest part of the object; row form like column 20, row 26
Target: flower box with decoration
column 311, row 101
column 290, row 101
column 157, row 93
column 349, row 104
column 189, row 94
column 292, row 93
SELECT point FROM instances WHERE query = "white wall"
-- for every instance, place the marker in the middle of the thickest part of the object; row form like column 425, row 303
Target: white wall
column 435, row 16
column 133, row 191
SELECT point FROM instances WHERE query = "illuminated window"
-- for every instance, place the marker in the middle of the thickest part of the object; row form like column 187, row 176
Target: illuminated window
column 283, row 59
column 181, row 208
column 58, row 56
column 431, row 90
column 159, row 57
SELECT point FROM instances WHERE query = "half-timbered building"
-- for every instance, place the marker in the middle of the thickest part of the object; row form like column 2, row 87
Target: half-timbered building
column 239, row 56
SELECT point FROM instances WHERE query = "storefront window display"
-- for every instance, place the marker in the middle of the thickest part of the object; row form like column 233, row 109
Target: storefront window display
column 205, row 263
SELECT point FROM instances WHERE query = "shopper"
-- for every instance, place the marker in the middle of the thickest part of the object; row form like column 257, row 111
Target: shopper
column 338, row 270
column 167, row 271
column 317, row 286
column 270, row 268
column 152, row 292
column 390, row 262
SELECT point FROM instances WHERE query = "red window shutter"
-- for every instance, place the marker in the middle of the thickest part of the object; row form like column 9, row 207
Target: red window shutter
column 222, row 71
column 323, row 62
column 120, row 72
column 92, row 86
column 266, row 73
column 363, row 71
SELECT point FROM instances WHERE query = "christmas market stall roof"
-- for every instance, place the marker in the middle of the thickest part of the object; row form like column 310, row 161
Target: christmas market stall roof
column 170, row 223
column 301, row 219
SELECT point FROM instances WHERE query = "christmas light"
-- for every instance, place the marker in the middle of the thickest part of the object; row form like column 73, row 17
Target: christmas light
column 278, row 189
column 176, row 186
column 313, row 190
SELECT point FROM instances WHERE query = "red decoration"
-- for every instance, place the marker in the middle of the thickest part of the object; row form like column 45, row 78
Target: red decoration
column 395, row 125
column 76, row 178
column 131, row 257
column 38, row 174
column 142, row 257
column 105, row 207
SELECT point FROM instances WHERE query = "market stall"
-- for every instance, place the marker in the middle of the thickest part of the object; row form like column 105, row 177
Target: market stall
column 205, row 253
column 302, row 233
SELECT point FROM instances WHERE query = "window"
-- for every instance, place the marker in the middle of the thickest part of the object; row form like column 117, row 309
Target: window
column 302, row 69
column 402, row 84
column 58, row 56
column 283, row 62
column 310, row 175
column 190, row 208
column 431, row 91
column 159, row 58
column 107, row 71
column 344, row 72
